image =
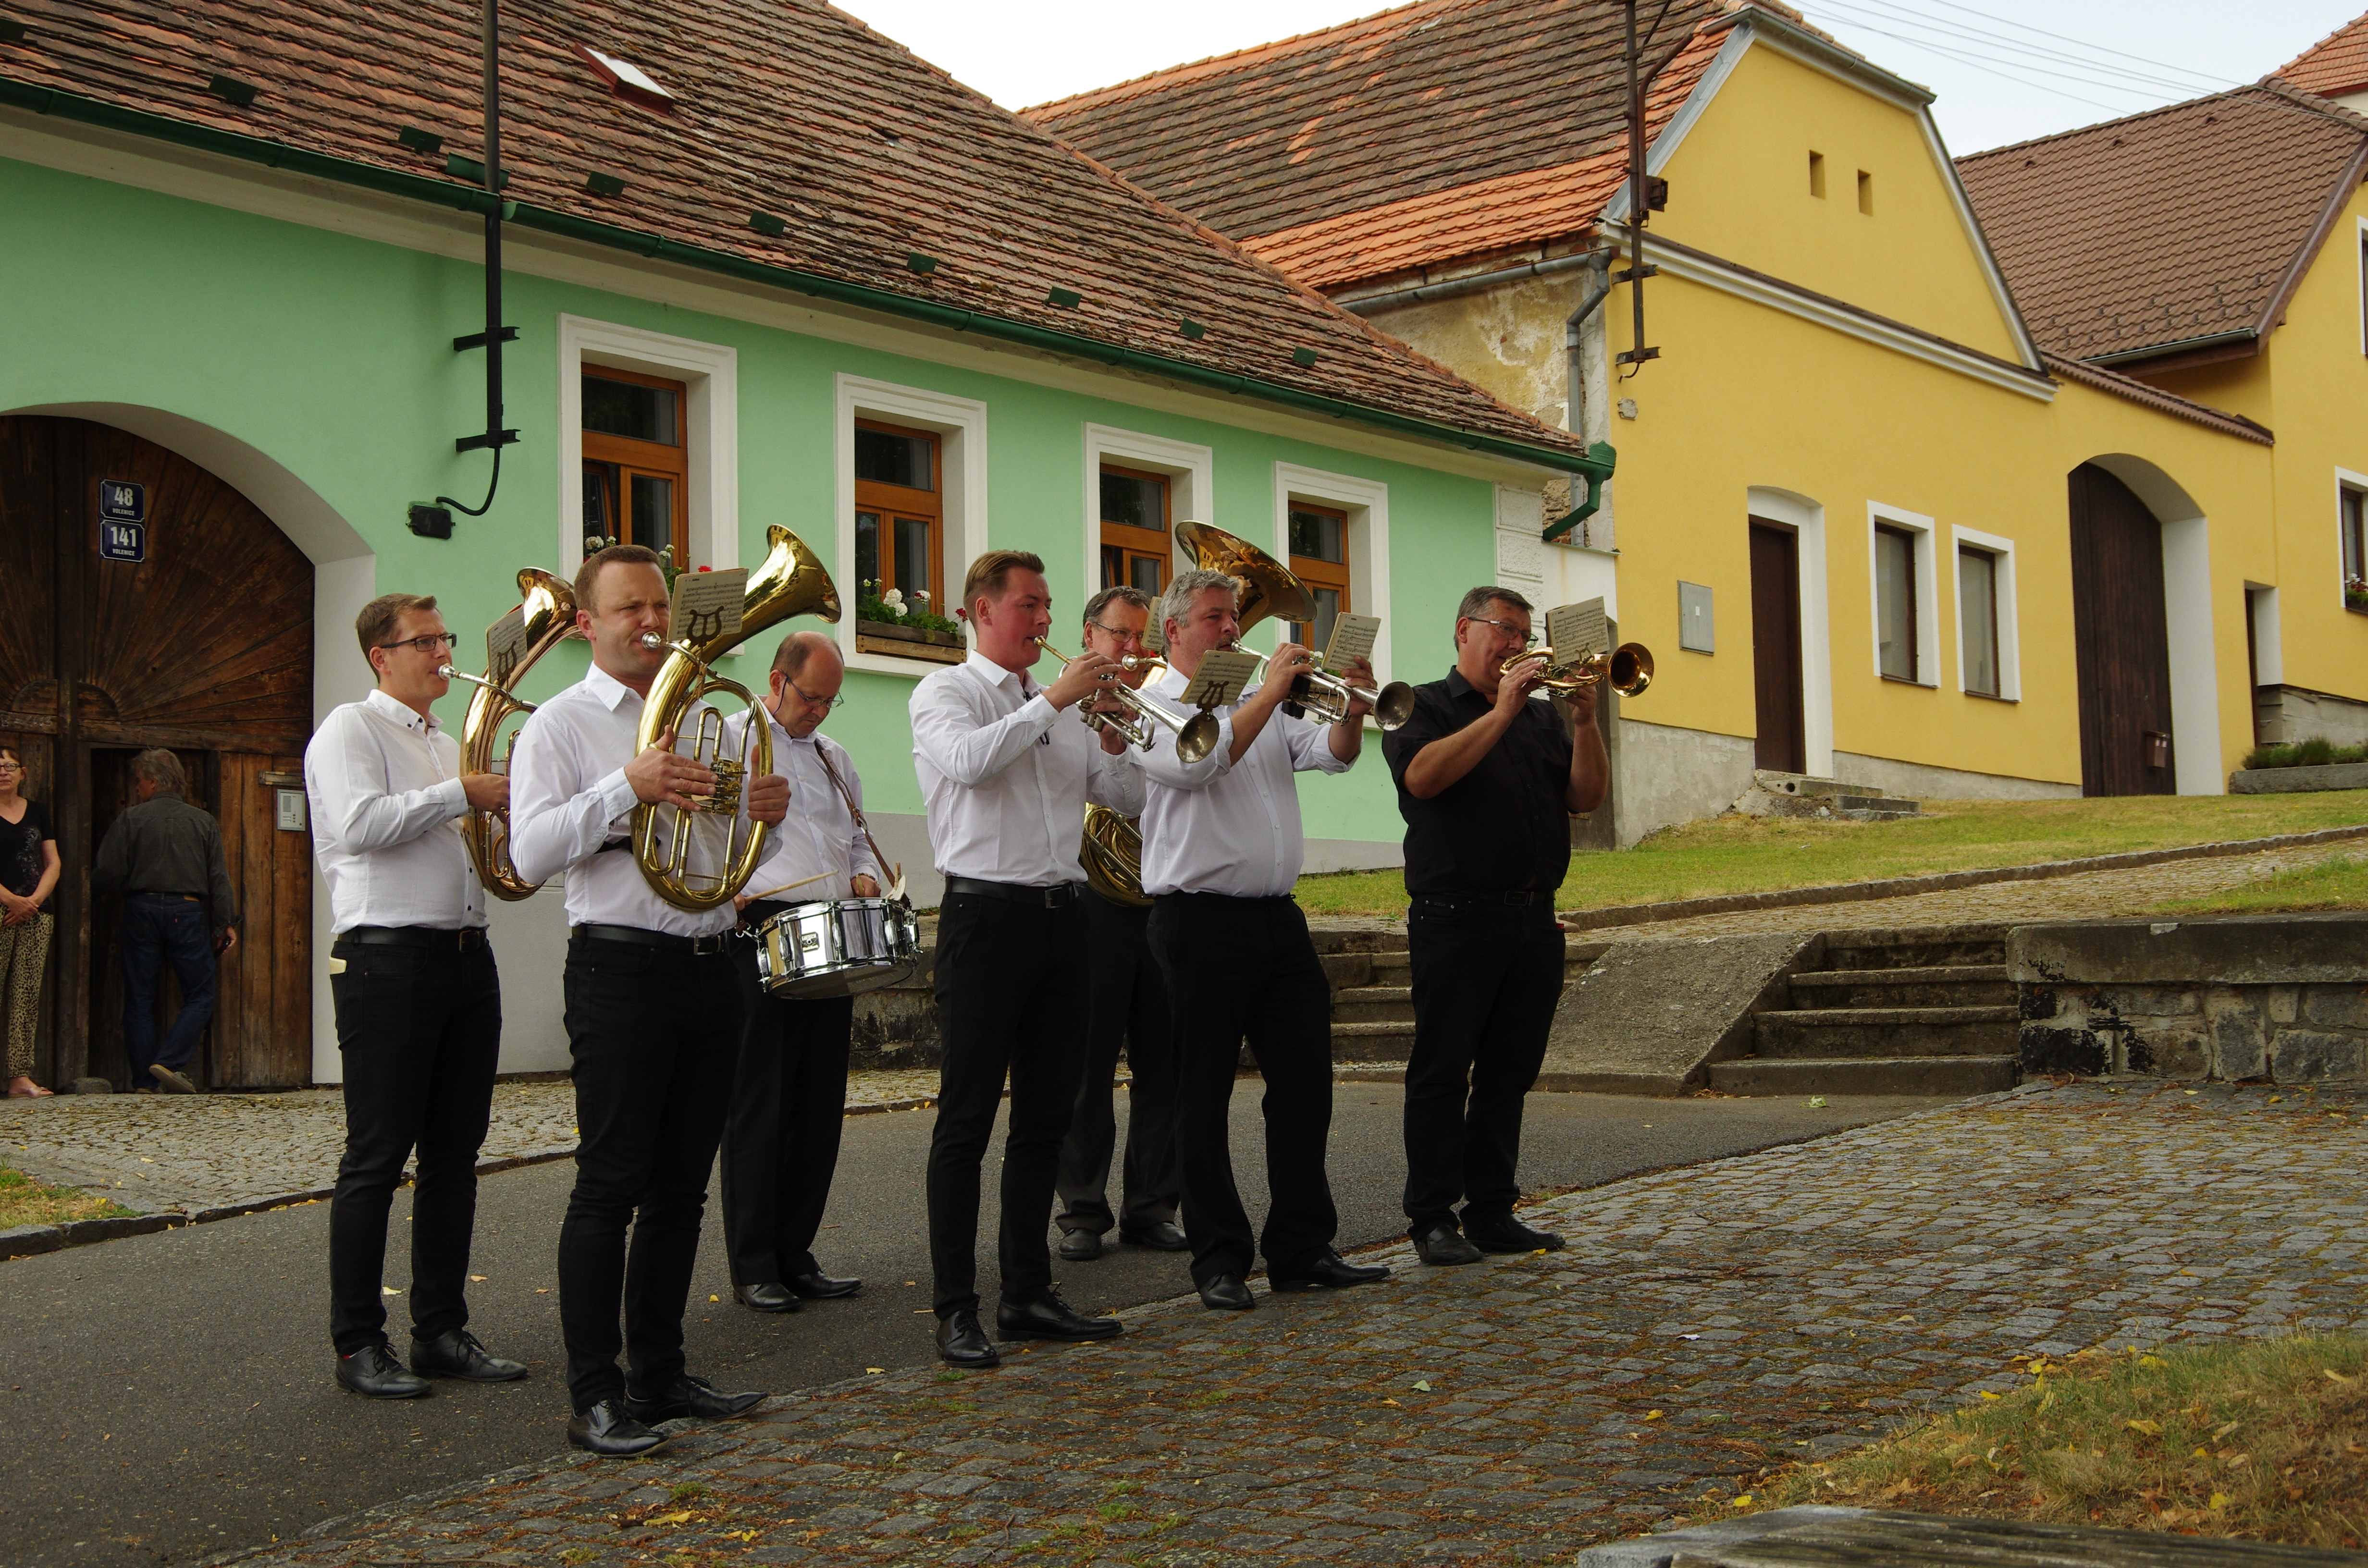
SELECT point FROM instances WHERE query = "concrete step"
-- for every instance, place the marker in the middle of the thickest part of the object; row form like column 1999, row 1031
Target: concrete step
column 1373, row 1041
column 1886, row 1031
column 1864, row 1075
column 1355, row 972
column 1374, row 1004
column 1960, row 986
column 1916, row 947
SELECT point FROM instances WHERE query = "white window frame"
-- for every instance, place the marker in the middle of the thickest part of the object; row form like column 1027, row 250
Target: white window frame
column 2360, row 281
column 1191, row 495
column 710, row 376
column 2010, row 640
column 1919, row 528
column 1367, row 503
column 2345, row 479
column 960, row 423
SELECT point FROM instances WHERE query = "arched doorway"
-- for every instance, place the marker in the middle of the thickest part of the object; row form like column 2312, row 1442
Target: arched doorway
column 2121, row 635
column 187, row 624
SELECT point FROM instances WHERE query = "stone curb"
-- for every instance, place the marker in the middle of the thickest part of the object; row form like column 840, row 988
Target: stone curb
column 1938, row 882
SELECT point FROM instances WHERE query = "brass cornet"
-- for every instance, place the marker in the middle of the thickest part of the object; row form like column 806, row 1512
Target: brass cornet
column 1327, row 697
column 1627, row 669
column 1195, row 737
column 548, row 614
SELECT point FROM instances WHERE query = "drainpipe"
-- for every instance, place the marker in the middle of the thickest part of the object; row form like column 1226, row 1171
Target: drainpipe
column 1598, row 289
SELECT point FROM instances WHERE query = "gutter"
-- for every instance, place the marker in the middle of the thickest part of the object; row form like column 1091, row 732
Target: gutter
column 2179, row 345
column 1447, row 289
column 1595, row 465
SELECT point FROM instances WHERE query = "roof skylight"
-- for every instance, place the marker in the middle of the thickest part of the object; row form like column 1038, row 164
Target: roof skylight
column 625, row 79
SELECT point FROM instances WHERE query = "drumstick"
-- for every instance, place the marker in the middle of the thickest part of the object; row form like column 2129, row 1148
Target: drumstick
column 787, row 886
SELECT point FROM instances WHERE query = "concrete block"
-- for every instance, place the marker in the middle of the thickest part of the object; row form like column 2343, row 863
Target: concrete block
column 2240, row 1035
column 2334, row 1006
column 2281, row 1001
column 2172, row 1051
column 2292, row 780
column 24, row 1241
column 2158, row 1002
column 2302, row 1056
column 1650, row 1015
column 2271, row 949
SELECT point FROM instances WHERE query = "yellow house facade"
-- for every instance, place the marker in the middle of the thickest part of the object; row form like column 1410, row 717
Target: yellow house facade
column 1874, row 527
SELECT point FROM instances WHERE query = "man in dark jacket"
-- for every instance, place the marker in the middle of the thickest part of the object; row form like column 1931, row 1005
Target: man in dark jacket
column 166, row 857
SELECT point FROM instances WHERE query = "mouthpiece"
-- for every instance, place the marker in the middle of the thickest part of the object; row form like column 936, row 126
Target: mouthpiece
column 651, row 640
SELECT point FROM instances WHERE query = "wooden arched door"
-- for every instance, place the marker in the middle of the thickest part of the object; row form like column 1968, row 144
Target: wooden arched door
column 2121, row 640
column 152, row 604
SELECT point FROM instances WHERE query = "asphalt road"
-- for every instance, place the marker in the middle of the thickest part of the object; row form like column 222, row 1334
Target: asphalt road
column 168, row 1397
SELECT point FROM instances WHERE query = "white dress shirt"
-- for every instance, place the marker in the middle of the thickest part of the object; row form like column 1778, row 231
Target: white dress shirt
column 815, row 852
column 384, row 788
column 570, row 805
column 1006, row 776
column 1217, row 825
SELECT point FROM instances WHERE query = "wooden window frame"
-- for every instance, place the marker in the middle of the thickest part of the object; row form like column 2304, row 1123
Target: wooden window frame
column 1134, row 543
column 1320, row 574
column 893, row 501
column 1997, row 565
column 1915, row 633
column 651, row 458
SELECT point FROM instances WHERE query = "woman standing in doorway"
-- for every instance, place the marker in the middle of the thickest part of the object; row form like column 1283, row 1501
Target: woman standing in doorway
column 28, row 873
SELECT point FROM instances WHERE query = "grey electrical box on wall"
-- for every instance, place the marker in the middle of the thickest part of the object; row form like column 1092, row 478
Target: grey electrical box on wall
column 1697, row 629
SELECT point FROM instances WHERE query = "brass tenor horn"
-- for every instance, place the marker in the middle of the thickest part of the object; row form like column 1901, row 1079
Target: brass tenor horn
column 1269, row 587
column 547, row 618
column 1627, row 669
column 1112, row 853
column 791, row 580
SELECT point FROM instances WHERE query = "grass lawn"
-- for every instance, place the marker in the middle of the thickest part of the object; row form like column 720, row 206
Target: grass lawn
column 24, row 1201
column 1740, row 854
column 2340, row 882
column 2260, row 1438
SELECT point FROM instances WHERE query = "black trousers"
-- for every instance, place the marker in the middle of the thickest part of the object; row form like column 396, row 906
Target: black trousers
column 1127, row 1006
column 1245, row 968
column 1486, row 978
column 1011, row 1000
column 420, row 1029
column 781, row 1143
column 652, row 1032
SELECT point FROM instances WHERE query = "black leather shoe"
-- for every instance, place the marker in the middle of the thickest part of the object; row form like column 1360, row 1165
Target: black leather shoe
column 1502, row 1233
column 962, row 1343
column 457, row 1353
column 1080, row 1246
column 374, row 1371
column 1226, row 1294
column 1326, row 1271
column 768, row 1298
column 606, row 1429
column 1443, row 1246
column 686, row 1395
column 1048, row 1317
column 1164, row 1236
column 816, row 1286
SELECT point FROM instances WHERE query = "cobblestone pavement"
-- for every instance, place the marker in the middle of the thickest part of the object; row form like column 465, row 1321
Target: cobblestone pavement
column 160, row 1152
column 1703, row 1322
column 2137, row 890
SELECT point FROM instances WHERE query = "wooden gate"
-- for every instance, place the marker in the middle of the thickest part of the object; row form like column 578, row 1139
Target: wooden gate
column 1782, row 738
column 204, row 645
column 2120, row 639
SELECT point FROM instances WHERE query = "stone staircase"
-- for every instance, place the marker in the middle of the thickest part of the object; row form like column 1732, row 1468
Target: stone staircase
column 1925, row 1010
column 1373, row 991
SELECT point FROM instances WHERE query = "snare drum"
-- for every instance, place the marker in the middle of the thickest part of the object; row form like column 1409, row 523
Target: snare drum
column 837, row 948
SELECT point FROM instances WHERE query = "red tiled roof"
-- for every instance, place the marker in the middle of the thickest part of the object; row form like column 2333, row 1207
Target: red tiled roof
column 1440, row 130
column 2153, row 397
column 2333, row 66
column 787, row 107
column 2180, row 224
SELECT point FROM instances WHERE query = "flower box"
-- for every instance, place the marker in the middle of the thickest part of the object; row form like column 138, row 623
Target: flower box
column 909, row 643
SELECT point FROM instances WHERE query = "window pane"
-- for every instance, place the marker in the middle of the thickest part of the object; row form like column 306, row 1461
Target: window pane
column 628, row 408
column 600, row 503
column 1977, row 604
column 1327, row 610
column 912, row 557
column 867, row 548
column 890, row 456
column 1113, row 565
column 1134, row 501
column 1895, row 591
column 1147, row 573
column 2356, row 548
column 653, row 513
column 1318, row 536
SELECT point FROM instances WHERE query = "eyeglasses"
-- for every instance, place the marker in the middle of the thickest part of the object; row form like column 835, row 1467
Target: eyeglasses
column 435, row 642
column 808, row 698
column 1120, row 632
column 1528, row 638
column 12, row 767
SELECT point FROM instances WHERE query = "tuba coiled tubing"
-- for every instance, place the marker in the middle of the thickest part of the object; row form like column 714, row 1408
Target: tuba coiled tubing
column 1112, row 853
column 791, row 580
column 548, row 609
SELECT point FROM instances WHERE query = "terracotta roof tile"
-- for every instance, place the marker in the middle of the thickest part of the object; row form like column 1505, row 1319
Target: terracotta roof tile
column 1389, row 139
column 2180, row 224
column 2153, row 397
column 787, row 107
column 2333, row 66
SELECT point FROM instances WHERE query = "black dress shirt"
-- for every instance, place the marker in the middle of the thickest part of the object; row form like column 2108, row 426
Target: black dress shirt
column 166, row 844
column 1502, row 827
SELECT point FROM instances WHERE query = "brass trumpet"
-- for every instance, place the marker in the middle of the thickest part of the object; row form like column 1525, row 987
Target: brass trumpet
column 1627, row 669
column 1327, row 697
column 547, row 613
column 1195, row 737
column 1269, row 587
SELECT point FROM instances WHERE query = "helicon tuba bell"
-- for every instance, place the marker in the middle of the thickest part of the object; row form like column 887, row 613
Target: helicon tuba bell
column 791, row 581
column 547, row 615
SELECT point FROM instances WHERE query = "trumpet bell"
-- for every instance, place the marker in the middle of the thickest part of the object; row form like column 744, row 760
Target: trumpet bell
column 1394, row 705
column 1632, row 668
column 1269, row 587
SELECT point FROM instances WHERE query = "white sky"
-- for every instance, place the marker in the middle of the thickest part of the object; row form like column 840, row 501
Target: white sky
column 1026, row 51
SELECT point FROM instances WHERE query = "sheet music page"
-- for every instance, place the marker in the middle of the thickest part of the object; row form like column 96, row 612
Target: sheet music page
column 1220, row 679
column 1353, row 638
column 505, row 645
column 1577, row 631
column 706, row 604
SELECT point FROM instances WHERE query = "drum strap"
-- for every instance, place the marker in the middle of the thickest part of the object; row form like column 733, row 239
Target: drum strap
column 852, row 808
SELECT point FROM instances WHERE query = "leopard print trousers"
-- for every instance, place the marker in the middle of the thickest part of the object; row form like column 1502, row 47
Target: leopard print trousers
column 24, row 954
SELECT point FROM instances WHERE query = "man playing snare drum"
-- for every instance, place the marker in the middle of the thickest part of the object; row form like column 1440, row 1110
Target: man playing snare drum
column 789, row 1095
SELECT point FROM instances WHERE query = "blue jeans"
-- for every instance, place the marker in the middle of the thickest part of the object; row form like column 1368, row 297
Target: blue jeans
column 160, row 928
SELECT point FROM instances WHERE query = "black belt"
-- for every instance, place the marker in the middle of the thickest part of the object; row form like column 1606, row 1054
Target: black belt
column 759, row 911
column 1060, row 895
column 467, row 939
column 1517, row 897
column 716, row 943
column 147, row 893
